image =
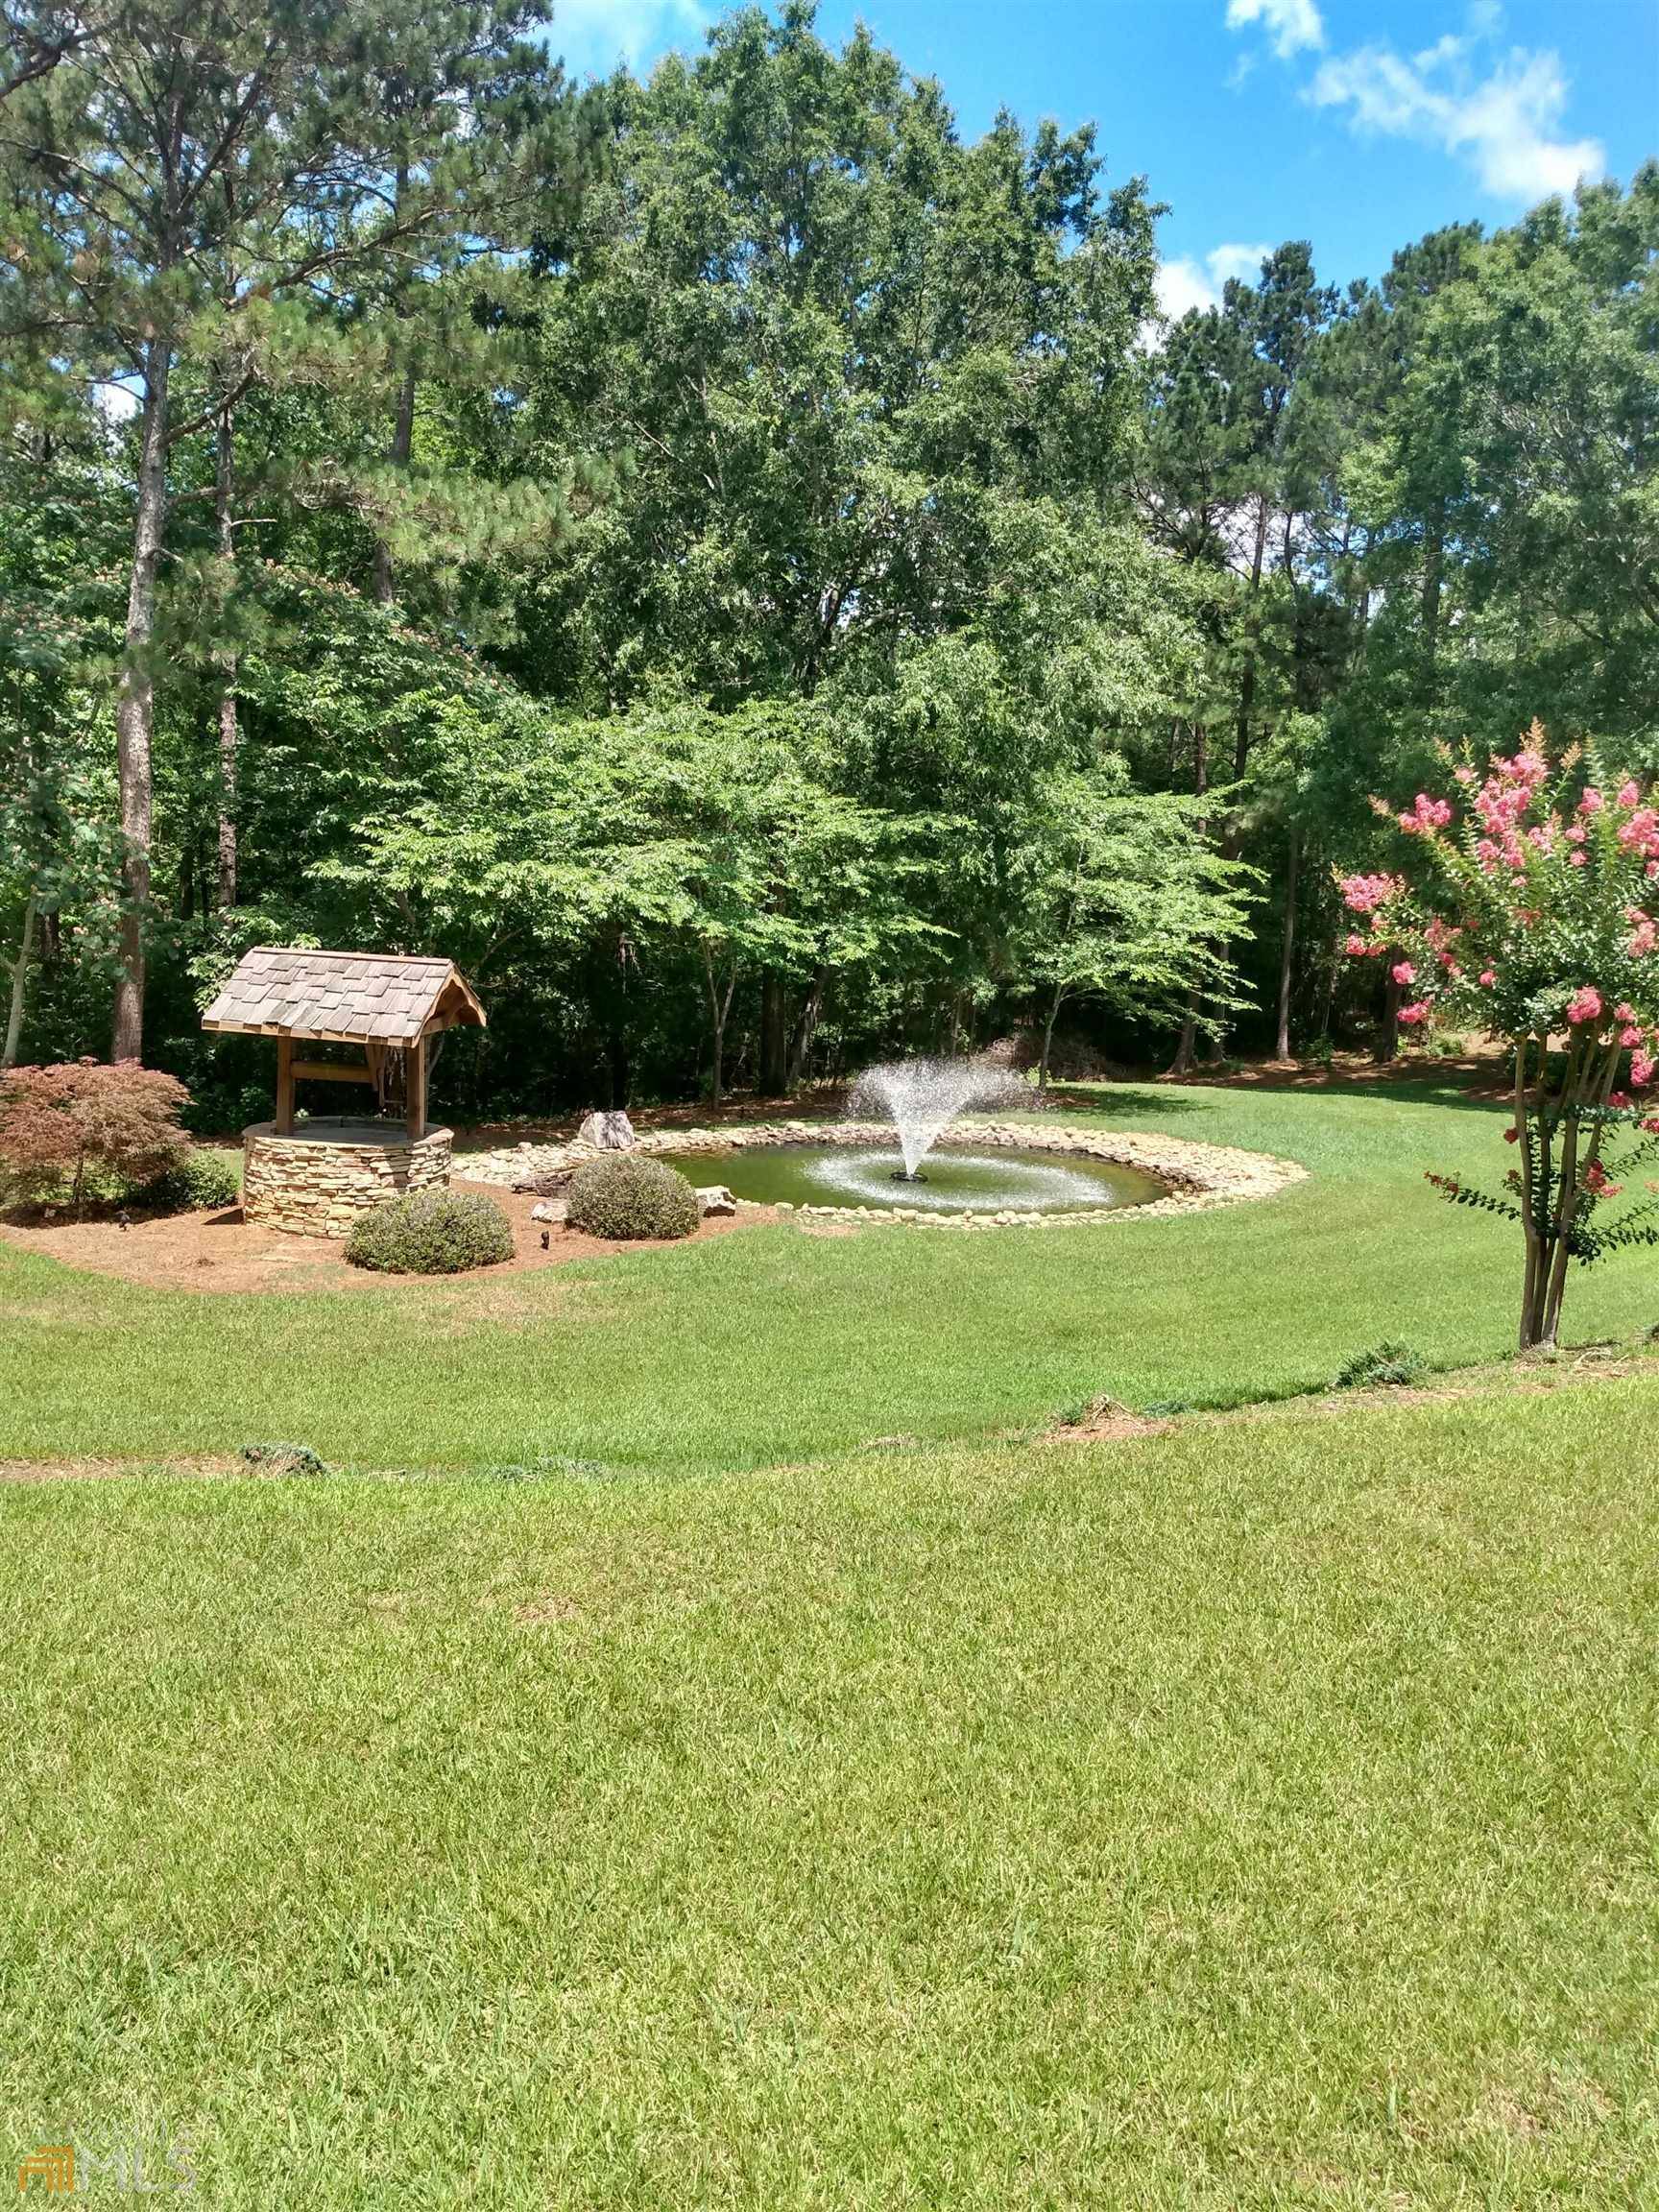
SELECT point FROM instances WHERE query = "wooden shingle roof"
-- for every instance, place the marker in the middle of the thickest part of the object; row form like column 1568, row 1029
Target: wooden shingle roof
column 352, row 997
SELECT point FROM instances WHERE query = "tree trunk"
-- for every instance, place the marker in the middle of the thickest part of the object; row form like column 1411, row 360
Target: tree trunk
column 229, row 735
column 773, row 1079
column 1389, row 1030
column 1186, row 1052
column 1049, row 1040
column 20, row 981
column 720, row 1009
column 621, row 1068
column 804, row 1031
column 1287, row 948
column 403, row 446
column 136, row 703
column 1530, row 1298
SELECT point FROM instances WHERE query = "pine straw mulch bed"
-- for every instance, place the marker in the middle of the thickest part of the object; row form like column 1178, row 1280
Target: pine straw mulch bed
column 220, row 1251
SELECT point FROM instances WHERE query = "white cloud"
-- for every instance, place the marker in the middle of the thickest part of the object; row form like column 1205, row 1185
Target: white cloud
column 1291, row 24
column 1186, row 281
column 1503, row 124
column 595, row 35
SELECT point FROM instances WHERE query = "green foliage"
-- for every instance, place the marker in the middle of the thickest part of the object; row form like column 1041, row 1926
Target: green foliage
column 698, row 550
column 627, row 1196
column 1385, row 1366
column 205, row 1178
column 431, row 1232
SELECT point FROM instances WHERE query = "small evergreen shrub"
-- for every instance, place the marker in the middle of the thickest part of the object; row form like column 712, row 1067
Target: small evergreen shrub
column 1384, row 1366
column 204, row 1179
column 431, row 1232
column 625, row 1197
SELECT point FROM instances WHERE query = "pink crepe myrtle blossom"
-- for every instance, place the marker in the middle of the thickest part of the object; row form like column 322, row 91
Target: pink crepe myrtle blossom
column 1629, row 1036
column 1628, row 794
column 1578, row 859
column 1364, row 894
column 1403, row 971
column 1412, row 1015
column 1592, row 801
column 1584, row 1005
column 1488, row 977
column 1641, row 1070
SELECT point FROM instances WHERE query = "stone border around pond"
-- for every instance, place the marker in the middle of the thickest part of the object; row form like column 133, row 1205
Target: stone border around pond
column 1201, row 1176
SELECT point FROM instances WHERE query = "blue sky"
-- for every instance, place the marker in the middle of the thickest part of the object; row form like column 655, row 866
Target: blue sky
column 1357, row 124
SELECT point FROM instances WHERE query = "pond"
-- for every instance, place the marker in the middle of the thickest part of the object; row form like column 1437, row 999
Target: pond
column 952, row 1182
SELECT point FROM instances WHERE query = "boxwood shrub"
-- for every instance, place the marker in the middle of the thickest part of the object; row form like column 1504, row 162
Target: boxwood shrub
column 624, row 1197
column 431, row 1232
column 204, row 1177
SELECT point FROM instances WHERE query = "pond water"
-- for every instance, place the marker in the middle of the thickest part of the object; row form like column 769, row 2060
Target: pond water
column 955, row 1182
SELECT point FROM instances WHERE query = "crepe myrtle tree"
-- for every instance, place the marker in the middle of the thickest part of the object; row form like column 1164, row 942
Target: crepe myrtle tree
column 1528, row 902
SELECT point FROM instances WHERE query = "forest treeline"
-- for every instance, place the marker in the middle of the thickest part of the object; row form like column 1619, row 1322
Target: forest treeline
column 741, row 566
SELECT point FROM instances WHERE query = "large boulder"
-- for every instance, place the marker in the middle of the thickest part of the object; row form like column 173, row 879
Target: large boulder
column 607, row 1133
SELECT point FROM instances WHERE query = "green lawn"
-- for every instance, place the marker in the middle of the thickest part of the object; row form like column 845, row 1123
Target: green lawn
column 770, row 1346
column 1262, row 1815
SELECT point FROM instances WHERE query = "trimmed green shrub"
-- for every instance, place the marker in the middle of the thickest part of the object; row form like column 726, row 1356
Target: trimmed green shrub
column 625, row 1197
column 204, row 1178
column 431, row 1232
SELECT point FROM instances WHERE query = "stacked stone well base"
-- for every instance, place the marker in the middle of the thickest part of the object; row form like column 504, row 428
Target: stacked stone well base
column 317, row 1182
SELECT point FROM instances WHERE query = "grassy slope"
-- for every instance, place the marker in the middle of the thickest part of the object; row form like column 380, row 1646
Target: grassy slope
column 1262, row 1814
column 772, row 1346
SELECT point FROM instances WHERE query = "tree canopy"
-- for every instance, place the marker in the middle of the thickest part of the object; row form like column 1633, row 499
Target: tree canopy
column 737, row 565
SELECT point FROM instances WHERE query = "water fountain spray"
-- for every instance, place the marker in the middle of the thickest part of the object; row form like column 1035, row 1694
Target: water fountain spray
column 923, row 1097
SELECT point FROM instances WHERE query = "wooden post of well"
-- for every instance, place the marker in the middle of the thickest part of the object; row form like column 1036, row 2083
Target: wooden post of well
column 415, row 1087
column 284, row 1086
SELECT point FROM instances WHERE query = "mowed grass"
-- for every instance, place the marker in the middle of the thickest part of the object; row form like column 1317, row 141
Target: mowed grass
column 1260, row 1814
column 773, row 1345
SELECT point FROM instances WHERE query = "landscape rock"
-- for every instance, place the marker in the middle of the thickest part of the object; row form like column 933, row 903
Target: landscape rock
column 607, row 1133
column 714, row 1198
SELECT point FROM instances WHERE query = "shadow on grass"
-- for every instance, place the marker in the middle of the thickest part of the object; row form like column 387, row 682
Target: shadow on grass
column 1172, row 1098
column 1135, row 1098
